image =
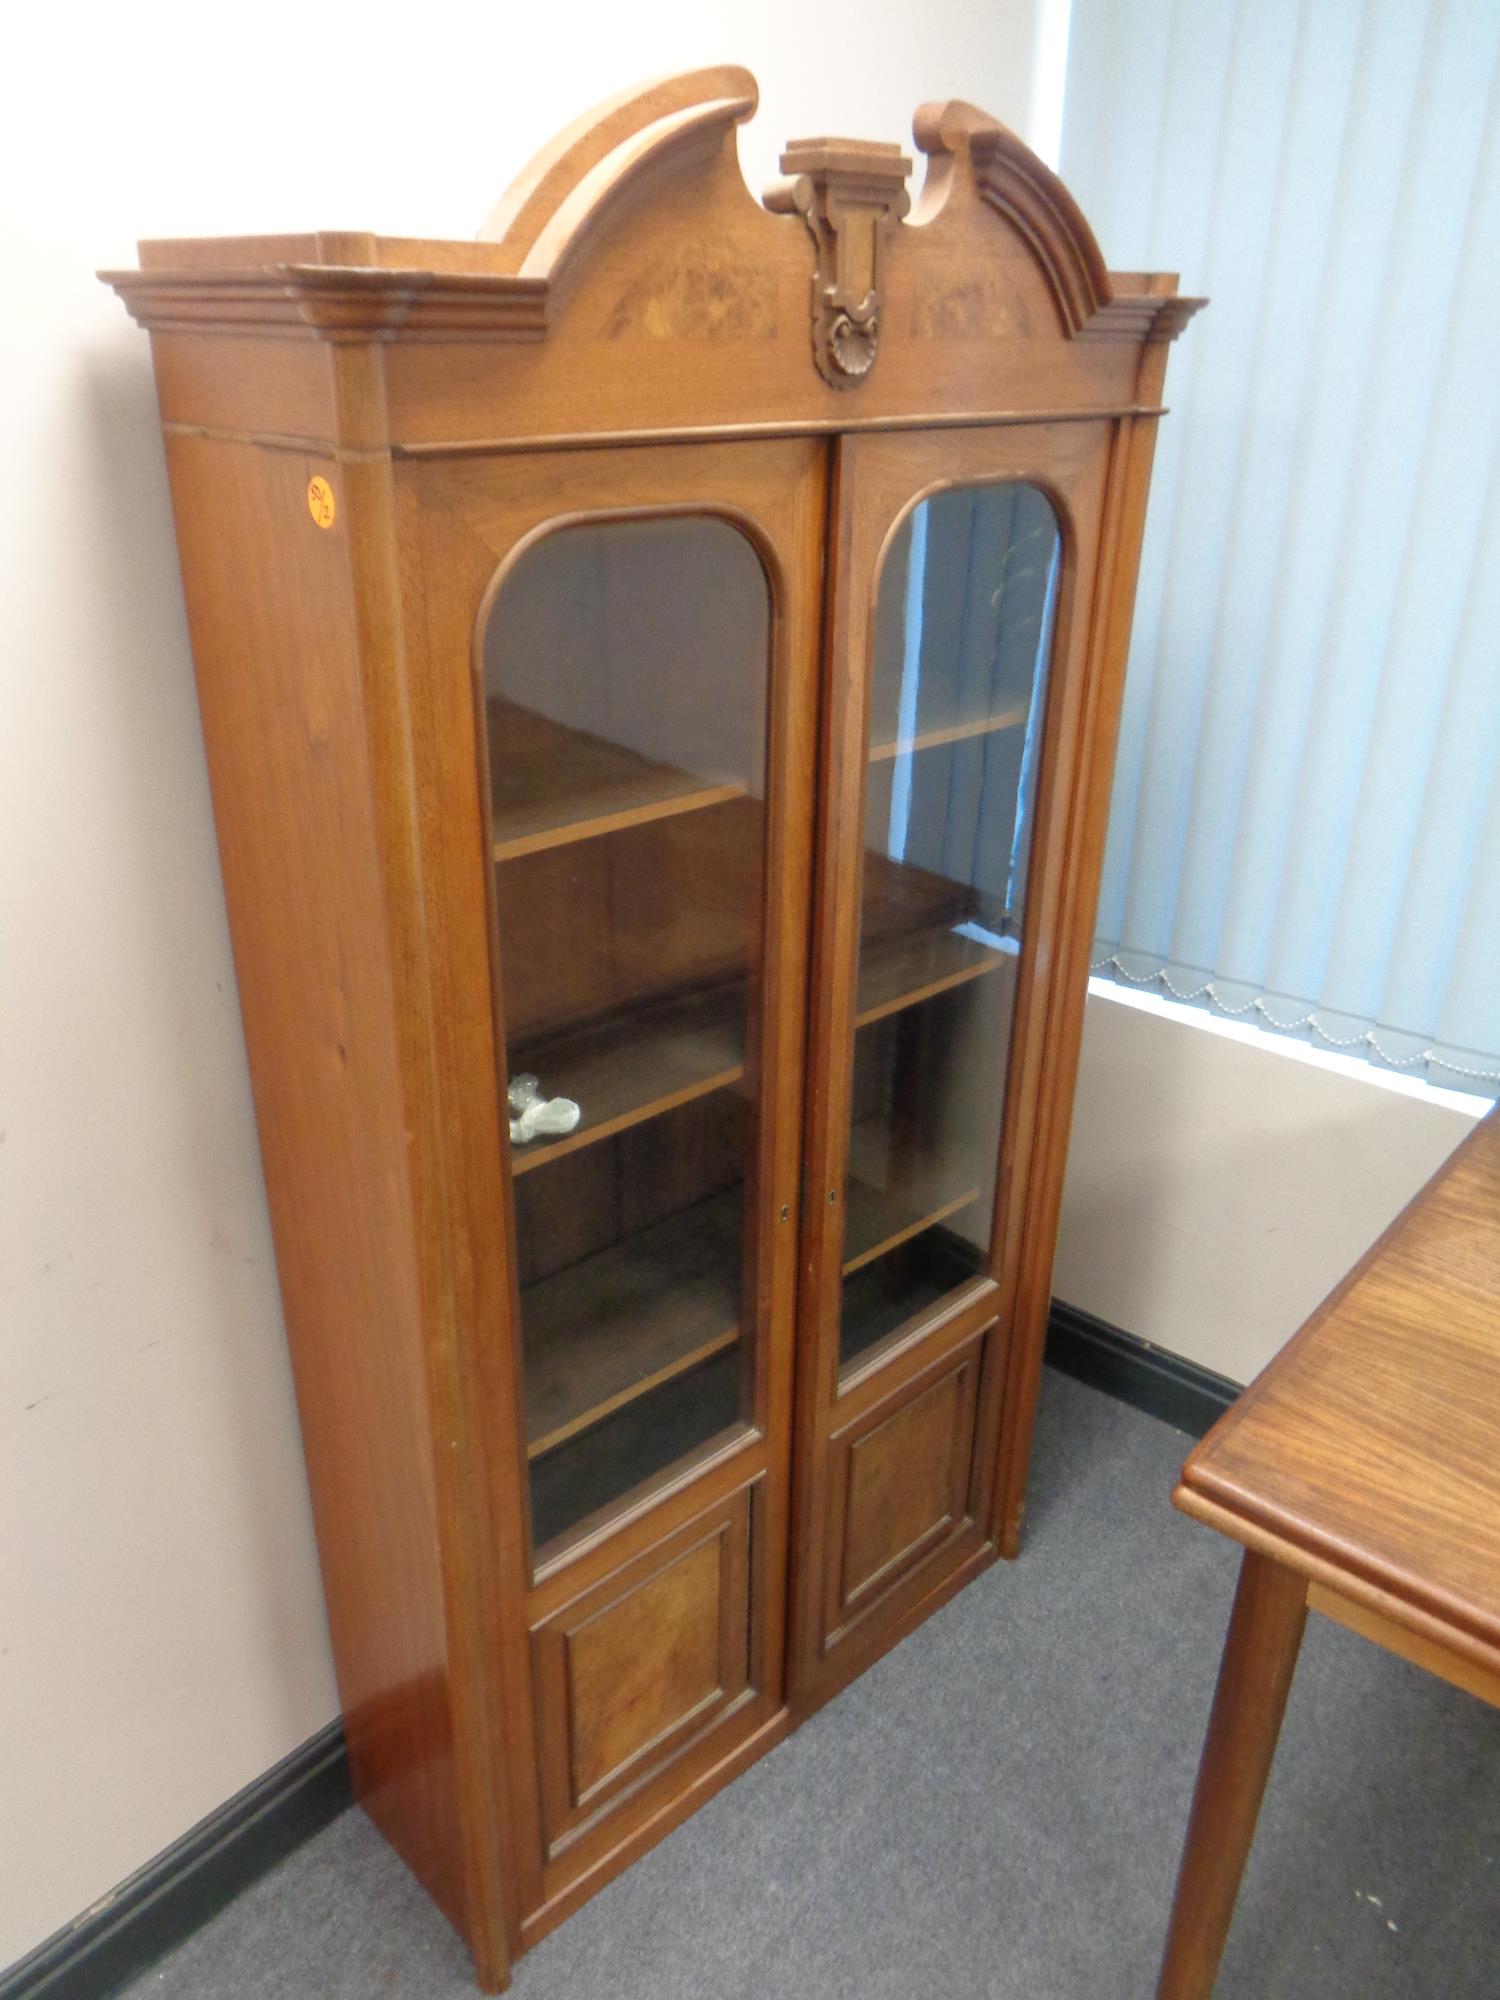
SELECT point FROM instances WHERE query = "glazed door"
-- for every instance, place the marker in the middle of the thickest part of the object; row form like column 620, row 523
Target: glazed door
column 645, row 628
column 952, row 710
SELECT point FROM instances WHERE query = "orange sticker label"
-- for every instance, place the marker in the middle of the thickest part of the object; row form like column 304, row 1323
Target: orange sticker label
column 320, row 503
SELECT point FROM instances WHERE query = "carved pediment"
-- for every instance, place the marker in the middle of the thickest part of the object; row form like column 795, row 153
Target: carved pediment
column 630, row 282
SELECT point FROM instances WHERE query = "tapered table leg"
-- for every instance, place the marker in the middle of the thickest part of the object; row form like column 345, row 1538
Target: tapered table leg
column 1255, row 1676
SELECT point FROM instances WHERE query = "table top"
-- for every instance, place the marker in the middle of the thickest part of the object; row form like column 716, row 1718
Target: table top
column 1368, row 1453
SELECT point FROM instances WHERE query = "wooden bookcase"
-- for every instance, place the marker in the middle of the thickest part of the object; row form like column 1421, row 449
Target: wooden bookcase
column 671, row 648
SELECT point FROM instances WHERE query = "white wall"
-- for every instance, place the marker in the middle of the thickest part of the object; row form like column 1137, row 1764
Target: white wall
column 161, row 1629
column 1221, row 1182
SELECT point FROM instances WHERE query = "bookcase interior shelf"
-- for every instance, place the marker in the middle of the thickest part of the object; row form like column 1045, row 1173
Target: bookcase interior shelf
column 552, row 784
column 879, row 1217
column 893, row 1290
column 898, row 972
column 955, row 732
column 622, row 1322
column 636, row 1066
column 642, row 1061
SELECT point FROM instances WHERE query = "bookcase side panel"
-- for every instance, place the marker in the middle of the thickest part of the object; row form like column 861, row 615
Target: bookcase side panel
column 267, row 578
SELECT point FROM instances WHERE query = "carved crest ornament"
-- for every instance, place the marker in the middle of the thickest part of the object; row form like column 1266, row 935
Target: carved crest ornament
column 848, row 192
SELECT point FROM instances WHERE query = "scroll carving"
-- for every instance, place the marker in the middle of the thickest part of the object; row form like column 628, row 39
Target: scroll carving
column 849, row 192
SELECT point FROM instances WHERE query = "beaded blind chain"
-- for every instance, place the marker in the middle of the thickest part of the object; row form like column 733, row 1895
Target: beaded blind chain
column 1364, row 1040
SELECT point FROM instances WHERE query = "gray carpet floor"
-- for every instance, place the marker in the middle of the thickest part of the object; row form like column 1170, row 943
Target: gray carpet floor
column 995, row 1810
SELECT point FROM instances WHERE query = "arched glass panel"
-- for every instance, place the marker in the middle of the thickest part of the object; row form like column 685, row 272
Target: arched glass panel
column 626, row 667
column 963, row 630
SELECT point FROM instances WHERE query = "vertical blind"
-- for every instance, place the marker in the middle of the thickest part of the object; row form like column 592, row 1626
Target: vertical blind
column 1306, row 819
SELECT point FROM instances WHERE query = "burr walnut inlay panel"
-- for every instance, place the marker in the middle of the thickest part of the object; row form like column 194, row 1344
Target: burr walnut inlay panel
column 632, row 1671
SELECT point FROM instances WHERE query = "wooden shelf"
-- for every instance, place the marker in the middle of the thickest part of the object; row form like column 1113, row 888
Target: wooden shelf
column 609, row 1329
column 636, row 1067
column 897, row 897
column 898, row 972
column 956, row 732
column 551, row 785
column 638, row 1442
column 651, row 1060
column 883, row 1297
column 878, row 1219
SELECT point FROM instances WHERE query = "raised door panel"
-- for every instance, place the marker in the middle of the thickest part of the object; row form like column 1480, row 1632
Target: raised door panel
column 904, row 1478
column 635, row 1671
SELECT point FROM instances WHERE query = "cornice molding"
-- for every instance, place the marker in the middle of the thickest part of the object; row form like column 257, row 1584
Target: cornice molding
column 332, row 302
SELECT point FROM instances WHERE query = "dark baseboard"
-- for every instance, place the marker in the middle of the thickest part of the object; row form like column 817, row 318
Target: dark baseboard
column 1146, row 1377
column 162, row 1904
column 190, row 1881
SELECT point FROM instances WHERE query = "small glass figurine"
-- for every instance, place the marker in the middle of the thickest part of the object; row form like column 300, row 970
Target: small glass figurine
column 534, row 1116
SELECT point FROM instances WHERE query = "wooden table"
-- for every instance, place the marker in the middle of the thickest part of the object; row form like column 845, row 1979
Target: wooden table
column 1361, row 1472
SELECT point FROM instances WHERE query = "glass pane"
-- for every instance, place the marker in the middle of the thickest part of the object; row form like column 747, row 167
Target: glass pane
column 963, row 630
column 625, row 683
